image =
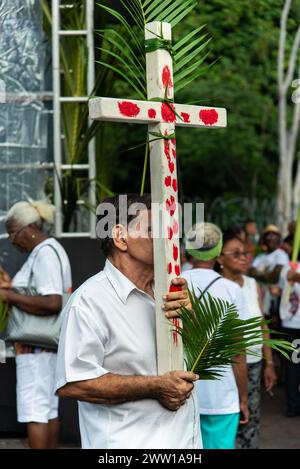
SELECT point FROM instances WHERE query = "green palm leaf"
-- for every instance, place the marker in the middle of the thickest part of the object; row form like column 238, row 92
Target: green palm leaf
column 127, row 28
column 5, row 312
column 179, row 13
column 123, row 51
column 125, row 58
column 120, row 43
column 150, row 6
column 135, row 10
column 186, row 39
column 186, row 58
column 168, row 10
column 118, row 71
column 191, row 73
column 213, row 336
column 128, row 45
column 129, row 68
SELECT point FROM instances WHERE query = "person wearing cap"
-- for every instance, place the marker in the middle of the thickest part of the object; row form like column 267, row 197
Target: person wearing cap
column 223, row 403
column 47, row 269
column 267, row 265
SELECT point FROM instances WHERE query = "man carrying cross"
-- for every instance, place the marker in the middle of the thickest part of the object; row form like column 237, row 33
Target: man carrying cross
column 162, row 115
column 107, row 351
column 117, row 352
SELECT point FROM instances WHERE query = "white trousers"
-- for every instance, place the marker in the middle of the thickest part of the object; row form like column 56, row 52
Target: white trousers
column 36, row 401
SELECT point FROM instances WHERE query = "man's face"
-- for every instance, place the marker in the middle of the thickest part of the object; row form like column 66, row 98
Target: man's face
column 272, row 241
column 251, row 228
column 139, row 238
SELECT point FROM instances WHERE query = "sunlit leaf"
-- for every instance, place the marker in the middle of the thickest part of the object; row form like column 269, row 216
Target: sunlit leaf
column 213, row 335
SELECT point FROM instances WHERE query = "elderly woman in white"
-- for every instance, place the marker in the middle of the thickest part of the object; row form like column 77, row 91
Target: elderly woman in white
column 48, row 268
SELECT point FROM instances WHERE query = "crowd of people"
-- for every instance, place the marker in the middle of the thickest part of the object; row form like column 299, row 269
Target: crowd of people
column 106, row 357
column 269, row 283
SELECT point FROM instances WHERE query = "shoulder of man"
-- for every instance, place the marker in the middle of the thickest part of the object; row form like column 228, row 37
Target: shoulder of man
column 282, row 256
column 93, row 291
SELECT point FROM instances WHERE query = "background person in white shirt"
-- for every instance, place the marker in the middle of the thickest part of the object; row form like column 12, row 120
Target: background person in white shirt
column 233, row 265
column 107, row 350
column 223, row 402
column 50, row 270
column 274, row 257
column 290, row 323
column 266, row 269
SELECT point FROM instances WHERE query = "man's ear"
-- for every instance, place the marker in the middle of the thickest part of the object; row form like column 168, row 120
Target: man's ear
column 119, row 236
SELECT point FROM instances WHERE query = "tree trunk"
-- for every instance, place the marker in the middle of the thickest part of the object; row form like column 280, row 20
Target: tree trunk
column 296, row 191
column 287, row 195
column 284, row 193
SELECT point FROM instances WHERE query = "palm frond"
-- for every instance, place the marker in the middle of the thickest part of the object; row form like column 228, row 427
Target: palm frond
column 128, row 29
column 154, row 11
column 130, row 69
column 213, row 335
column 175, row 17
column 123, row 53
column 118, row 71
column 189, row 58
column 136, row 11
column 191, row 73
column 120, row 43
column 127, row 59
column 128, row 50
column 5, row 312
column 171, row 11
column 186, row 39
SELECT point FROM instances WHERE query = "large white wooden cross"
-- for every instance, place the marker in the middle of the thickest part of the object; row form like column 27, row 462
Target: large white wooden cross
column 162, row 121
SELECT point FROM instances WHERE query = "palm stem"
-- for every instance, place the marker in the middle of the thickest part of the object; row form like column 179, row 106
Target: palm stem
column 145, row 168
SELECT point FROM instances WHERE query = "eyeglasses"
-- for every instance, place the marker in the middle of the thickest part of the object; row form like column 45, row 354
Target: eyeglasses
column 13, row 234
column 236, row 254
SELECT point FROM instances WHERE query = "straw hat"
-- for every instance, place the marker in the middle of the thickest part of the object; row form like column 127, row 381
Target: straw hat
column 271, row 229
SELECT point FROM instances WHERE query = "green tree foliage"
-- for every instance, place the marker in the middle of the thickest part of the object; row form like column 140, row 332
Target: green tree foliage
column 242, row 159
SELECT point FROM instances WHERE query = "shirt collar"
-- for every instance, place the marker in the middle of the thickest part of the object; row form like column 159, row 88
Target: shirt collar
column 121, row 284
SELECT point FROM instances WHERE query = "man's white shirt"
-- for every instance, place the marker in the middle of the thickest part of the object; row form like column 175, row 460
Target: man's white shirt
column 268, row 261
column 109, row 327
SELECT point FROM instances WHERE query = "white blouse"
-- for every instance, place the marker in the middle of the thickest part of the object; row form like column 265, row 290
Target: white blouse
column 252, row 309
column 50, row 275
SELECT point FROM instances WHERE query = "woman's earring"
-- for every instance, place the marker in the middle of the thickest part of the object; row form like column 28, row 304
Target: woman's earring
column 33, row 236
column 221, row 266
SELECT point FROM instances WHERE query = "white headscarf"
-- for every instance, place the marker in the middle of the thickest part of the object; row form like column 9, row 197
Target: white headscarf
column 204, row 241
column 32, row 211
